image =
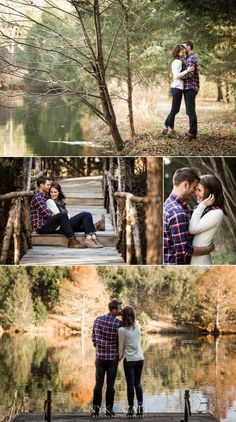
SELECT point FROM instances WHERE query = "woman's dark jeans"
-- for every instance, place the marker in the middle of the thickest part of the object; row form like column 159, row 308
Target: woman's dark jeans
column 83, row 222
column 60, row 219
column 133, row 372
column 176, row 103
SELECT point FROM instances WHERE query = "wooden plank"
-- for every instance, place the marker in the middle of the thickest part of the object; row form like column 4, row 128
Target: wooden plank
column 53, row 255
column 148, row 417
column 105, row 238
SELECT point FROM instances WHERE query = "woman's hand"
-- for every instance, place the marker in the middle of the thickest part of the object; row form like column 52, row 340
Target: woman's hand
column 209, row 200
column 190, row 68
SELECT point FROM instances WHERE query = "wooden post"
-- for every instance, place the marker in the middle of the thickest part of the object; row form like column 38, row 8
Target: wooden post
column 111, row 200
column 128, row 232
column 16, row 232
column 137, row 243
column 8, row 233
column 154, row 219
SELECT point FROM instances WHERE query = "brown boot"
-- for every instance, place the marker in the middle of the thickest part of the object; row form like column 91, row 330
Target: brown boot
column 98, row 243
column 100, row 225
column 73, row 243
column 89, row 242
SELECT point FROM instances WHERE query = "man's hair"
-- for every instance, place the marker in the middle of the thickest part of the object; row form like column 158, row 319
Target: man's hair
column 42, row 180
column 185, row 174
column 189, row 44
column 114, row 304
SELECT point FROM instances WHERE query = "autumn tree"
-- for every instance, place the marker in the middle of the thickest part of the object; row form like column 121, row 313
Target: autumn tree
column 216, row 291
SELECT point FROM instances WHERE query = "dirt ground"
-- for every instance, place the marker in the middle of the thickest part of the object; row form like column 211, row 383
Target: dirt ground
column 216, row 130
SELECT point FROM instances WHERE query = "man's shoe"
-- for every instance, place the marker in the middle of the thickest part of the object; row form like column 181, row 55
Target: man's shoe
column 90, row 243
column 190, row 136
column 140, row 411
column 130, row 412
column 73, row 243
column 109, row 412
column 95, row 411
column 100, row 224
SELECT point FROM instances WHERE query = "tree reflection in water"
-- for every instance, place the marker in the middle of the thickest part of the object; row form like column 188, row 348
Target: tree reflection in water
column 205, row 365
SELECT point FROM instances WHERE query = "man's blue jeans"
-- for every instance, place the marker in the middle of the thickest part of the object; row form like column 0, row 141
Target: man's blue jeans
column 108, row 367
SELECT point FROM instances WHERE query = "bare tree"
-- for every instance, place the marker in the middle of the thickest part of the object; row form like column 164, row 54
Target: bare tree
column 68, row 37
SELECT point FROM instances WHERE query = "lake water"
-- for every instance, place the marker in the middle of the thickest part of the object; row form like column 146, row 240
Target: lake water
column 31, row 365
column 45, row 127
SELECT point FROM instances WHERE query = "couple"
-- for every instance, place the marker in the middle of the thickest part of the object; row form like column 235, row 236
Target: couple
column 49, row 215
column 185, row 81
column 188, row 236
column 115, row 340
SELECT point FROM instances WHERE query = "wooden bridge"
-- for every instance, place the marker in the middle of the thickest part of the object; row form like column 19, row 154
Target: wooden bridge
column 148, row 417
column 82, row 194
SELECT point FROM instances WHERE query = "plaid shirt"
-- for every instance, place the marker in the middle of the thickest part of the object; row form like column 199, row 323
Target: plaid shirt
column 178, row 247
column 105, row 336
column 39, row 211
column 191, row 80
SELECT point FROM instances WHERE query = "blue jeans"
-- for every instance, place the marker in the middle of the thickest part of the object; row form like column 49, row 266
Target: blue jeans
column 176, row 103
column 60, row 219
column 108, row 367
column 133, row 372
column 190, row 104
column 83, row 222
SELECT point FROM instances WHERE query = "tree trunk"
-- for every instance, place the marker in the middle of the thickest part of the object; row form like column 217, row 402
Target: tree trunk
column 154, row 211
column 129, row 71
column 227, row 93
column 99, row 68
column 128, row 233
column 220, row 96
column 16, row 233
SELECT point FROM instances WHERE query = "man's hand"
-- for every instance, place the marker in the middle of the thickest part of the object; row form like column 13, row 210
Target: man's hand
column 203, row 250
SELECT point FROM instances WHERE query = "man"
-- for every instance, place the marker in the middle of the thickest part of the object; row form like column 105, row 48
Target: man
column 191, row 88
column 105, row 339
column 178, row 247
column 44, row 221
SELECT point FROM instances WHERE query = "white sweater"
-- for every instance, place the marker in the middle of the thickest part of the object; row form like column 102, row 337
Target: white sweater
column 204, row 229
column 130, row 343
column 177, row 74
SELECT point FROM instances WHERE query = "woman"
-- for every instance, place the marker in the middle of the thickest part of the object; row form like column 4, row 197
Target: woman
column 207, row 216
column 130, row 350
column 179, row 71
column 82, row 222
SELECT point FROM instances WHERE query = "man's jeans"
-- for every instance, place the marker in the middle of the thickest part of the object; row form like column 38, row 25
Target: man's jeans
column 60, row 219
column 190, row 104
column 176, row 103
column 133, row 372
column 83, row 222
column 103, row 367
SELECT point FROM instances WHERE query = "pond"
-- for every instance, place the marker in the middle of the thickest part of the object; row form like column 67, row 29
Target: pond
column 30, row 365
column 45, row 127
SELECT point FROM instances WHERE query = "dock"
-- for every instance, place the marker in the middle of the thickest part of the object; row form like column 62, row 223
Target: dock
column 148, row 417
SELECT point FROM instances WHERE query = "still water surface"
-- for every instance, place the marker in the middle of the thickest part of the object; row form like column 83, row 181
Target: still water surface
column 31, row 365
column 46, row 127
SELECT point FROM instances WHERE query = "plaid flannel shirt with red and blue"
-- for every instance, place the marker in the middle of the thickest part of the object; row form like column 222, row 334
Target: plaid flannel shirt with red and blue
column 105, row 336
column 39, row 211
column 191, row 80
column 178, row 247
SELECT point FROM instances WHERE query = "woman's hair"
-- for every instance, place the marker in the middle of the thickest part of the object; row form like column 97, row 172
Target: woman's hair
column 56, row 185
column 177, row 49
column 128, row 317
column 212, row 185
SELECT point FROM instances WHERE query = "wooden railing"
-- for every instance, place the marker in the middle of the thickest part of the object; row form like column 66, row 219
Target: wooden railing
column 13, row 226
column 132, row 225
column 123, row 210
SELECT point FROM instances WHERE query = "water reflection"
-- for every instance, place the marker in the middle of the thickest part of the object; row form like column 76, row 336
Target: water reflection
column 31, row 365
column 46, row 127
